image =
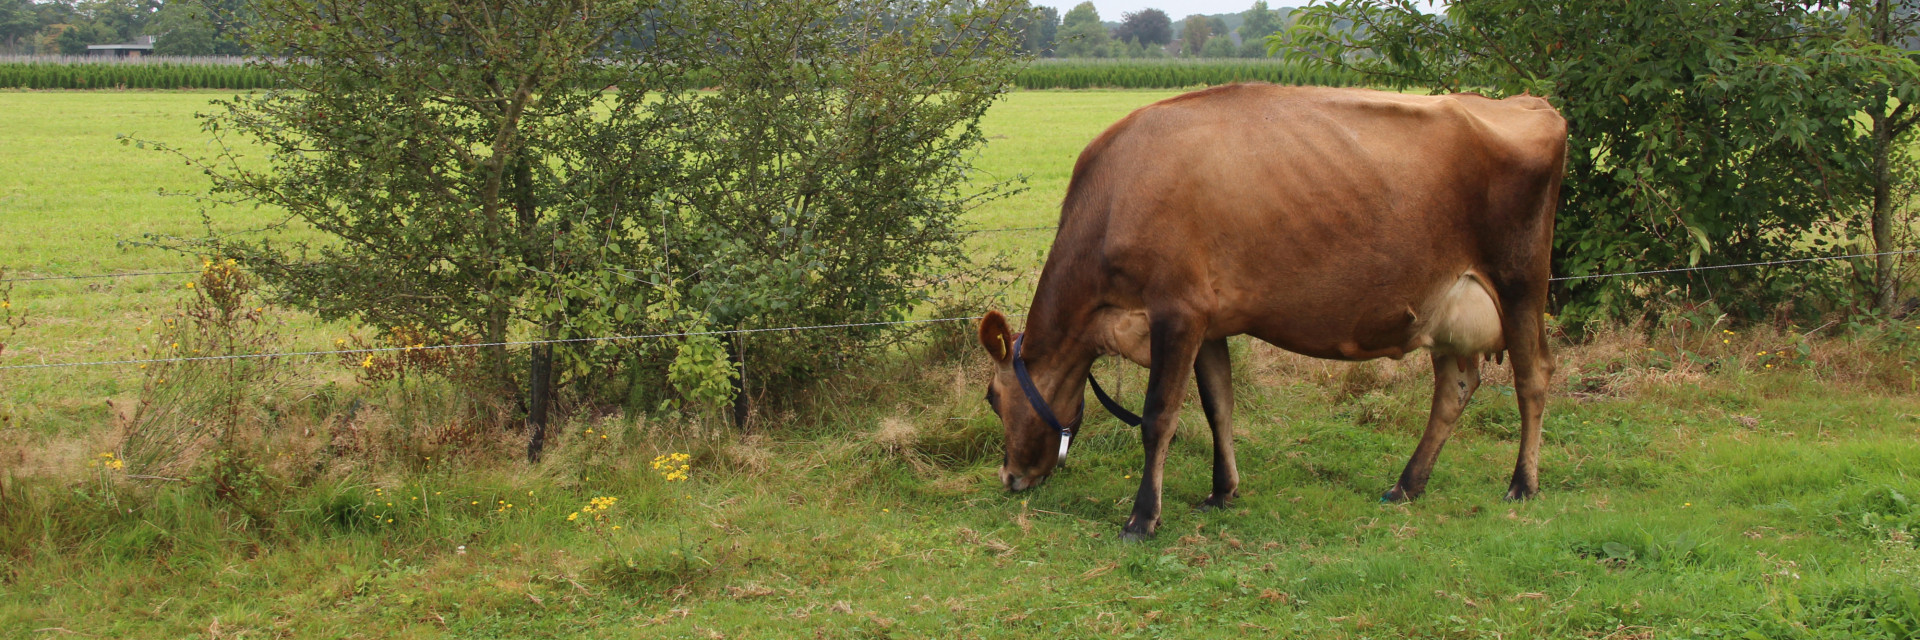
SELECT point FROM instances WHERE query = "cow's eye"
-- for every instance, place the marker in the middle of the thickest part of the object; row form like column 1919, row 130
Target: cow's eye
column 993, row 399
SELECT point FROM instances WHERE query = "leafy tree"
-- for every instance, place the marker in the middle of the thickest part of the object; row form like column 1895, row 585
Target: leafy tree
column 1040, row 28
column 459, row 159
column 1700, row 132
column 228, row 20
column 1081, row 34
column 1256, row 24
column 1217, row 47
column 17, row 20
column 826, row 175
column 1148, row 26
column 1194, row 32
column 123, row 19
column 1885, row 33
column 182, row 29
column 73, row 40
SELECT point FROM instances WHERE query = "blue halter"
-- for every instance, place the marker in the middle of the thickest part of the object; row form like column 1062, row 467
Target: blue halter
column 1046, row 412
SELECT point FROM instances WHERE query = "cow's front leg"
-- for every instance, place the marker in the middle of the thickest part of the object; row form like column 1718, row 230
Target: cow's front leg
column 1176, row 341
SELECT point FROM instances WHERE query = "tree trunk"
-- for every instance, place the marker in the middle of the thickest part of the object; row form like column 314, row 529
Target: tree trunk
column 1882, row 212
column 1881, row 14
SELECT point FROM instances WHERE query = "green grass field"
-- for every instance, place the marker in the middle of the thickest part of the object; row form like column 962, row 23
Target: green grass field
column 1690, row 490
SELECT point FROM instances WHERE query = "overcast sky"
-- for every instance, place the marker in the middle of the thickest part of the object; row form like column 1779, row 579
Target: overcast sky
column 1111, row 10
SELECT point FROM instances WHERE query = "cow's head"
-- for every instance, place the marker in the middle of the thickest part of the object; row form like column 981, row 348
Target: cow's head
column 1033, row 445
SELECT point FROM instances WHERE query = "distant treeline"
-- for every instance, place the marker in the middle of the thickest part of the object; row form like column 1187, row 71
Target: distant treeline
column 1170, row 73
column 1056, row 73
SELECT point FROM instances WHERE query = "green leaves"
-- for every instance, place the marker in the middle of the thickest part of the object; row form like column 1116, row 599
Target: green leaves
column 1701, row 132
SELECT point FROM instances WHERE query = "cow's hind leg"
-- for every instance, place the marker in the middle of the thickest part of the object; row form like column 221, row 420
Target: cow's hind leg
column 1454, row 380
column 1532, row 369
column 1213, row 373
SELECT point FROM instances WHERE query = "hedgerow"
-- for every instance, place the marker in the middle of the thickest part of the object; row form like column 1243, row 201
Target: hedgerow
column 155, row 75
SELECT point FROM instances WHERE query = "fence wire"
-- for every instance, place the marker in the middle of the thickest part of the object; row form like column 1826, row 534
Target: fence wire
column 657, row 336
column 132, row 274
column 479, row 345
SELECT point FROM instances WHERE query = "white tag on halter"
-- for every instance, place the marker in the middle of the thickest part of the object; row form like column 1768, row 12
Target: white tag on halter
column 1064, row 441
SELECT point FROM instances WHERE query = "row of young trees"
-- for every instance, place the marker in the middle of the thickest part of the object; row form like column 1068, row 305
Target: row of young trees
column 66, row 27
column 1702, row 133
column 540, row 170
column 1148, row 33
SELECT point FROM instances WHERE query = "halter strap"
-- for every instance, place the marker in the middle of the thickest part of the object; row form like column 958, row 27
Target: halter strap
column 1112, row 407
column 1041, row 407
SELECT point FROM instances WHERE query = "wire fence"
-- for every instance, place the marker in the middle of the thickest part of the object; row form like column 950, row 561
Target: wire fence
column 658, row 336
column 135, row 274
column 479, row 345
column 132, row 274
column 1735, row 266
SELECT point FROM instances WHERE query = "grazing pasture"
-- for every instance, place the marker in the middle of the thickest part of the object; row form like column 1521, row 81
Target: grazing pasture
column 1706, row 482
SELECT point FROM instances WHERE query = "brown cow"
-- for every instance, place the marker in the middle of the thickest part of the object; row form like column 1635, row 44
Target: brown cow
column 1336, row 223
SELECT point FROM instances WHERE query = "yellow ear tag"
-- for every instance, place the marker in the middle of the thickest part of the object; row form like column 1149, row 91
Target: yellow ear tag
column 1004, row 350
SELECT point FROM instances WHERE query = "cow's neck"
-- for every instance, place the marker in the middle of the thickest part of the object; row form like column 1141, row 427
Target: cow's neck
column 1056, row 346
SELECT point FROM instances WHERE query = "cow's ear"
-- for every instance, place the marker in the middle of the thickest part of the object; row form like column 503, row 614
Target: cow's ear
column 996, row 337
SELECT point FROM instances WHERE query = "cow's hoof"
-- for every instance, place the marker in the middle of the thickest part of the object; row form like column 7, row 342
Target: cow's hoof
column 1215, row 501
column 1398, row 494
column 1137, row 532
column 1520, row 493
